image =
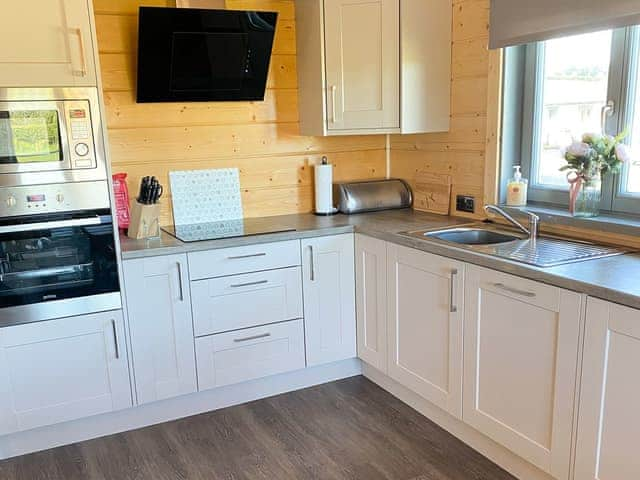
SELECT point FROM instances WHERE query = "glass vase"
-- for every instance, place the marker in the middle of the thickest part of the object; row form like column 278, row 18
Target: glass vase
column 585, row 202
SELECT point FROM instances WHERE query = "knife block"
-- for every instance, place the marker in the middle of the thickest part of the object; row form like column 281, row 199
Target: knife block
column 145, row 221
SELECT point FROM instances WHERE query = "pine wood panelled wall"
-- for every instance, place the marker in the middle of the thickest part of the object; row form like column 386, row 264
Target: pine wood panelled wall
column 259, row 138
column 460, row 152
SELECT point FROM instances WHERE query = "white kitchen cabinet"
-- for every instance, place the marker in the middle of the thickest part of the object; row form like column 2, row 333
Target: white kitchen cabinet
column 61, row 370
column 371, row 300
column 371, row 67
column 425, row 315
column 609, row 418
column 46, row 43
column 159, row 308
column 520, row 351
column 329, row 298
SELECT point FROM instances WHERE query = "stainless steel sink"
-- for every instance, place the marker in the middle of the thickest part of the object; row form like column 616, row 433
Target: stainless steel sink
column 471, row 236
column 491, row 239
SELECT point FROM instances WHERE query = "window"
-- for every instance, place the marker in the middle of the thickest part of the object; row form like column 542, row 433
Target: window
column 566, row 86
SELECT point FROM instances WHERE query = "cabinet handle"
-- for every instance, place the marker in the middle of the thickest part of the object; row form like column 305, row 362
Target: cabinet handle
column 179, row 265
column 83, row 59
column 240, row 257
column 523, row 293
column 254, row 337
column 249, row 284
column 334, row 89
column 453, row 308
column 312, row 273
column 115, row 338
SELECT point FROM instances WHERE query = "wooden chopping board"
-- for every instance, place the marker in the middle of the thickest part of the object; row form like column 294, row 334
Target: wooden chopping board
column 432, row 192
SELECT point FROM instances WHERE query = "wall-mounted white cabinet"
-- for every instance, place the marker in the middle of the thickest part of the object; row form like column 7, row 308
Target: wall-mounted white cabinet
column 609, row 418
column 159, row 309
column 46, row 43
column 329, row 298
column 381, row 66
column 521, row 348
column 61, row 370
column 425, row 308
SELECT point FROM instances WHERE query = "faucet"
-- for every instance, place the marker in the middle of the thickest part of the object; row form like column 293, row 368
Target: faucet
column 534, row 220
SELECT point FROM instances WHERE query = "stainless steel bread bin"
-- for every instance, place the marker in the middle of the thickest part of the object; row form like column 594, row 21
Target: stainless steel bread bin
column 372, row 195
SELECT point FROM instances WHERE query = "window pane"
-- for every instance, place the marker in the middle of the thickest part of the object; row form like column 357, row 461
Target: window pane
column 633, row 171
column 574, row 90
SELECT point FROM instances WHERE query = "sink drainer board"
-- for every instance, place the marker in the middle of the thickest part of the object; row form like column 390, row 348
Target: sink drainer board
column 489, row 239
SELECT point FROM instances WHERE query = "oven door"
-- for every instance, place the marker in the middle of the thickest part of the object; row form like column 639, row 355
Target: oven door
column 57, row 266
column 33, row 137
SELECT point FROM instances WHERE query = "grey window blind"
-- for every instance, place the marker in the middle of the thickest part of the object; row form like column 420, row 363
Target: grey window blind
column 515, row 22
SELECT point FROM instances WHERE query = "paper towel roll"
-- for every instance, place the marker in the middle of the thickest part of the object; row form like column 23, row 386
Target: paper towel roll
column 324, row 189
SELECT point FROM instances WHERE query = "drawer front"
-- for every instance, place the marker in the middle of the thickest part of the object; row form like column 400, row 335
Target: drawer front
column 250, row 258
column 248, row 354
column 249, row 300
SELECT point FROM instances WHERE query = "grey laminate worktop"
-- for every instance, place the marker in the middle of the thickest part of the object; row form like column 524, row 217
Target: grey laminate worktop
column 616, row 279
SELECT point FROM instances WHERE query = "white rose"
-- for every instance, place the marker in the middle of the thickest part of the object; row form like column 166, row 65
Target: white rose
column 623, row 153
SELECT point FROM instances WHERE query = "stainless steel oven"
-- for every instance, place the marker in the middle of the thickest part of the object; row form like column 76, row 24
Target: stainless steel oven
column 50, row 135
column 57, row 252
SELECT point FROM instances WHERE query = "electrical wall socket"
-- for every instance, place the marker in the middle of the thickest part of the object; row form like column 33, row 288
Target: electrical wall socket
column 465, row 203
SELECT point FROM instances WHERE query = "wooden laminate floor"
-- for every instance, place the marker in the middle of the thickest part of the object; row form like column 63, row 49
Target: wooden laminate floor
column 350, row 429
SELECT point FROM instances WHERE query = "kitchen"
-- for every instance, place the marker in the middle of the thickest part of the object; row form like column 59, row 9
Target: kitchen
column 232, row 332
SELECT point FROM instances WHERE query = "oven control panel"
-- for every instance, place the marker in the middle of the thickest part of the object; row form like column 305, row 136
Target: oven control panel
column 80, row 134
column 66, row 197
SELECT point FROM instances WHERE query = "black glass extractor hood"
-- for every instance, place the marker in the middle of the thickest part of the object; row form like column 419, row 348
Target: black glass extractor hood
column 187, row 54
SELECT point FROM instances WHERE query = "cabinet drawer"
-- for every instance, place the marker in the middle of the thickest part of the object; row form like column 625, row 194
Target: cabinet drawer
column 250, row 258
column 528, row 291
column 241, row 301
column 247, row 354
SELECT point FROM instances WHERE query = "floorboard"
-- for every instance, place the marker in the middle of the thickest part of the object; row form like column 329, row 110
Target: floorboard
column 350, row 429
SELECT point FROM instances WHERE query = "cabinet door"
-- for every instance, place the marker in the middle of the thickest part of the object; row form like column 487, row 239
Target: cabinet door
column 609, row 419
column 521, row 350
column 61, row 370
column 46, row 43
column 329, row 298
column 371, row 300
column 159, row 307
column 362, row 45
column 425, row 325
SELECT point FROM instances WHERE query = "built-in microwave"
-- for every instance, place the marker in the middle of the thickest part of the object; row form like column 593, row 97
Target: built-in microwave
column 50, row 136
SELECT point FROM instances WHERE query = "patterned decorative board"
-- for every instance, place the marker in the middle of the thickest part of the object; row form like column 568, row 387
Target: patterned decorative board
column 204, row 196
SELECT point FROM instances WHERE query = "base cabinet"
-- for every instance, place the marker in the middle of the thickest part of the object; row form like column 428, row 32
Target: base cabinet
column 61, row 370
column 609, row 418
column 161, row 326
column 329, row 298
column 425, row 295
column 521, row 350
column 371, row 300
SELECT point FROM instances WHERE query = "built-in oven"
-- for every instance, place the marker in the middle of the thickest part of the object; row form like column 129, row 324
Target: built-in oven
column 57, row 252
column 50, row 136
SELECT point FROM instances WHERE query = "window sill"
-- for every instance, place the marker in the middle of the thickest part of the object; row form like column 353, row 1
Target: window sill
column 558, row 217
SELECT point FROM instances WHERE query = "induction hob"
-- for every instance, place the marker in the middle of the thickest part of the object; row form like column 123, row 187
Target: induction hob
column 197, row 232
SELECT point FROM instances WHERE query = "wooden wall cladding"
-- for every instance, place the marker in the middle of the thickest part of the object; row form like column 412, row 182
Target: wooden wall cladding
column 460, row 152
column 259, row 138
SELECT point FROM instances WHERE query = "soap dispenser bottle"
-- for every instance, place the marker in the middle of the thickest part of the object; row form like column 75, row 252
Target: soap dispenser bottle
column 517, row 189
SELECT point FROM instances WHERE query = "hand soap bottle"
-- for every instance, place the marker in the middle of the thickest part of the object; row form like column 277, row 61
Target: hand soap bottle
column 517, row 189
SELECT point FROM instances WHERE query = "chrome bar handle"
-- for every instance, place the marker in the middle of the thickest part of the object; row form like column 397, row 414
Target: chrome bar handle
column 522, row 293
column 254, row 337
column 115, row 338
column 453, row 308
column 312, row 274
column 179, row 265
column 29, row 227
column 249, row 284
column 251, row 255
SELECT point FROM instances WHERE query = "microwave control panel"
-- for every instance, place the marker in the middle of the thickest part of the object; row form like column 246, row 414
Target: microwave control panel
column 80, row 134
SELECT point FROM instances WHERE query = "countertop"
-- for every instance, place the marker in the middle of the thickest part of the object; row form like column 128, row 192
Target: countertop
column 616, row 279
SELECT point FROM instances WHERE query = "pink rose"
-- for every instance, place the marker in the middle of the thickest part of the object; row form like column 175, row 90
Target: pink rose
column 623, row 153
column 579, row 149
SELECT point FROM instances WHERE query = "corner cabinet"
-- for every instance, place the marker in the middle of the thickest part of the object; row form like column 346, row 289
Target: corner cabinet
column 381, row 66
column 609, row 419
column 161, row 326
column 328, row 281
column 425, row 305
column 50, row 48
column 520, row 365
column 61, row 370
